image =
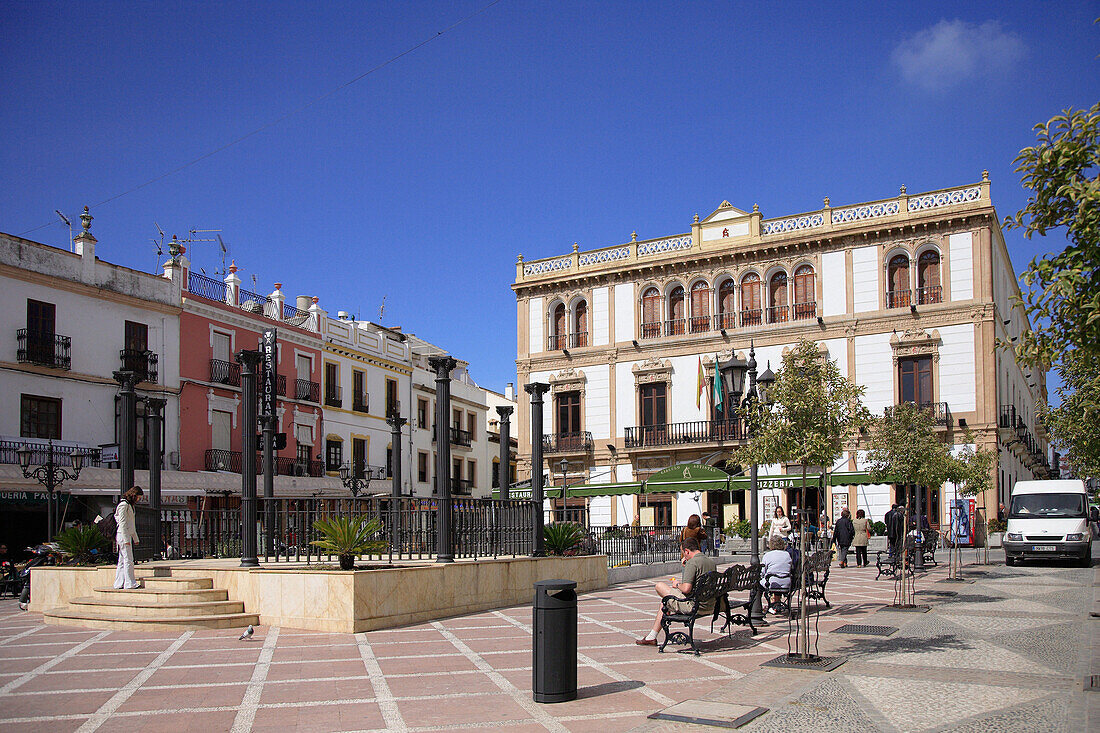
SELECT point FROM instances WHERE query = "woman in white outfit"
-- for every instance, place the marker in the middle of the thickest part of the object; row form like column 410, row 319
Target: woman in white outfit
column 126, row 537
column 780, row 526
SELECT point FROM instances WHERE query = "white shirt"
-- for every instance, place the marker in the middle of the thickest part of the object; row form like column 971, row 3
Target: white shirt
column 776, row 563
column 780, row 526
column 127, row 529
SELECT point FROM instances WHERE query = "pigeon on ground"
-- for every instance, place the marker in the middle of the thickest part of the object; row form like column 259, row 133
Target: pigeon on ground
column 247, row 633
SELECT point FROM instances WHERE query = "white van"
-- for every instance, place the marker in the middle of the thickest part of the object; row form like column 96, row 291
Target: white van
column 1048, row 519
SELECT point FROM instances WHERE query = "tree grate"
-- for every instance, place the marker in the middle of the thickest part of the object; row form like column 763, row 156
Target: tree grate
column 868, row 629
column 916, row 608
column 794, row 661
column 1092, row 683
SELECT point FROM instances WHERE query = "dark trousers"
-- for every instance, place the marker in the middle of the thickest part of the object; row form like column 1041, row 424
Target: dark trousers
column 861, row 555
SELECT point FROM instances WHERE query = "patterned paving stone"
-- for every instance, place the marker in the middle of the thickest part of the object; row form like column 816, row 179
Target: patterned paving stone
column 828, row 706
column 911, row 708
column 967, row 654
column 1011, row 605
column 1048, row 715
column 1055, row 646
column 996, row 624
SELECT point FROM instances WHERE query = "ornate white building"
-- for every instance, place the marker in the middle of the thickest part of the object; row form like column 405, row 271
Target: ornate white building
column 907, row 295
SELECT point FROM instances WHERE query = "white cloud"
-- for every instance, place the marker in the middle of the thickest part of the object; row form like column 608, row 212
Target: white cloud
column 955, row 51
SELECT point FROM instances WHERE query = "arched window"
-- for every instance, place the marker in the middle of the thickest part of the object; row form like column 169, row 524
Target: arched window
column 928, row 278
column 558, row 328
column 580, row 324
column 778, row 312
column 898, row 294
column 651, row 313
column 726, row 310
column 805, row 297
column 676, row 317
column 751, row 313
column 700, row 307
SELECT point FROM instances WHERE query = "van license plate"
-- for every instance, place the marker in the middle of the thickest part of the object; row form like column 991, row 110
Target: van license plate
column 1044, row 548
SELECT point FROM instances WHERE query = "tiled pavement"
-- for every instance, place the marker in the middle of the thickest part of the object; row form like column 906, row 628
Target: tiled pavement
column 1008, row 652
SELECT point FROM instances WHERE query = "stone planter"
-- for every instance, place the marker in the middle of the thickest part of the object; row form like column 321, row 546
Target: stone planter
column 876, row 544
column 996, row 539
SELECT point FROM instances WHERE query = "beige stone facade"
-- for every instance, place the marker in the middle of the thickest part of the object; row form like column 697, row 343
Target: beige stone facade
column 908, row 295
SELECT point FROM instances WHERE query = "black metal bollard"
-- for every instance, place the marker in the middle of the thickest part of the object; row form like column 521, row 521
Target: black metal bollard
column 555, row 641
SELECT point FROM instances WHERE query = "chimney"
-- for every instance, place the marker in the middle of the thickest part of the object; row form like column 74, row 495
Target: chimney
column 84, row 245
column 510, row 391
column 303, row 302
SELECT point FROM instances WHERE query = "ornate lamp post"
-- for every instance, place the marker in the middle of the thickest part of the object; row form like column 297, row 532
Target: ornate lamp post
column 352, row 481
column 51, row 475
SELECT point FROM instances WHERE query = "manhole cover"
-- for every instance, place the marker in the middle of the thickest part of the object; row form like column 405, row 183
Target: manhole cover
column 794, row 661
column 1092, row 683
column 867, row 629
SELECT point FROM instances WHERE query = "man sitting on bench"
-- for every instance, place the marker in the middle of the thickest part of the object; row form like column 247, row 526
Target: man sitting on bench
column 695, row 565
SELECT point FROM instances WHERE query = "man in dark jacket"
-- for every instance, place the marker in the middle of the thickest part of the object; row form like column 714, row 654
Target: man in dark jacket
column 895, row 527
column 843, row 534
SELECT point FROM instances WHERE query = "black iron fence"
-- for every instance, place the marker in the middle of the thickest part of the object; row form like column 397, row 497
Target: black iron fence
column 232, row 461
column 575, row 442
column 40, row 452
column 634, row 545
column 699, row 431
column 142, row 362
column 481, row 528
column 43, row 348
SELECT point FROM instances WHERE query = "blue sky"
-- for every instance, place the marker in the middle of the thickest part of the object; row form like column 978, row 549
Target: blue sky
column 528, row 127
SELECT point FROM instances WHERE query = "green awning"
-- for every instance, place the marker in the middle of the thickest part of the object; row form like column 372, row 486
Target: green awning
column 554, row 492
column 687, row 477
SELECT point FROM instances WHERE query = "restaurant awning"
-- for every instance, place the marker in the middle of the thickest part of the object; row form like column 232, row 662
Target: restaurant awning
column 554, row 492
column 687, row 477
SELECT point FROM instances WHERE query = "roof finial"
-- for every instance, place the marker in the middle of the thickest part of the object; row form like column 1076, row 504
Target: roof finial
column 86, row 220
column 756, row 208
column 985, row 175
column 902, row 188
column 826, row 202
column 575, row 248
column 634, row 236
column 696, row 221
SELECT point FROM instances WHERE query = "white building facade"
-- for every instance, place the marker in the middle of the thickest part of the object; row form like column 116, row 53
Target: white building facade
column 907, row 295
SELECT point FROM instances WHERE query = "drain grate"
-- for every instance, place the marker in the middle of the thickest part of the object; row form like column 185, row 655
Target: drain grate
column 905, row 609
column 1092, row 683
column 868, row 629
column 938, row 593
column 794, row 661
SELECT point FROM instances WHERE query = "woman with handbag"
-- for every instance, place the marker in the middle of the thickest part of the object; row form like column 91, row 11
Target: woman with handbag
column 126, row 537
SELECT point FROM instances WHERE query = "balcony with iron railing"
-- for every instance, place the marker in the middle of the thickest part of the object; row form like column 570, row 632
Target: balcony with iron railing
column 684, row 433
column 307, row 390
column 232, row 461
column 805, row 311
column 940, row 412
column 333, row 395
column 899, row 298
column 578, row 340
column 675, row 327
column 43, row 348
column 40, row 448
column 359, row 402
column 225, row 372
column 651, row 330
column 142, row 362
column 779, row 314
column 929, row 294
column 557, row 342
column 699, row 324
column 573, row 442
column 751, row 317
column 262, row 305
column 459, row 437
column 725, row 320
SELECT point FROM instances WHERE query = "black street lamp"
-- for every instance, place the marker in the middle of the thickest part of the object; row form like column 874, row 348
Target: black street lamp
column 353, row 481
column 51, row 475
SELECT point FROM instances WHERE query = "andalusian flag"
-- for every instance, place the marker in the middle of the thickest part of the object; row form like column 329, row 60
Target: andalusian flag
column 718, row 391
column 700, row 386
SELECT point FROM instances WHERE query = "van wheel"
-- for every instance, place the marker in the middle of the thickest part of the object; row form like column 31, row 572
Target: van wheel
column 1010, row 561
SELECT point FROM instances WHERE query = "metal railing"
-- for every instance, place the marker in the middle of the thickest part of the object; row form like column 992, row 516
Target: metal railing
column 941, row 413
column 225, row 372
column 929, row 294
column 556, row 342
column 207, row 287
column 1007, row 417
column 232, row 461
column 578, row 340
column 676, row 327
column 633, row 545
column 804, row 311
column 779, row 314
column 651, row 330
column 40, row 452
column 307, row 390
column 725, row 320
column 574, row 442
column 359, row 402
column 899, row 298
column 458, row 436
column 699, row 324
column 294, row 315
column 142, row 363
column 751, row 317
column 255, row 303
column 700, row 431
column 43, row 348
column 481, row 528
column 333, row 395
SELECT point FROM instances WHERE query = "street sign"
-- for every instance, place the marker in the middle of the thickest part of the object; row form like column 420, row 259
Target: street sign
column 269, row 352
column 108, row 453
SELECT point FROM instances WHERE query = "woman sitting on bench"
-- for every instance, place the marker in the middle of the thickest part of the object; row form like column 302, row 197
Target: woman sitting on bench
column 776, row 566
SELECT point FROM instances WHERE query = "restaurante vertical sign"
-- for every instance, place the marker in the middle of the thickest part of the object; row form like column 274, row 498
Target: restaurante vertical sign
column 269, row 352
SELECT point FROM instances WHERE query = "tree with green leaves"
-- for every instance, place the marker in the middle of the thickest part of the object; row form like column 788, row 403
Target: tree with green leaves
column 808, row 415
column 1075, row 423
column 904, row 446
column 970, row 469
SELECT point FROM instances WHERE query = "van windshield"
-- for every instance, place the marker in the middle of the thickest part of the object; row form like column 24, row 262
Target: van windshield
column 1026, row 506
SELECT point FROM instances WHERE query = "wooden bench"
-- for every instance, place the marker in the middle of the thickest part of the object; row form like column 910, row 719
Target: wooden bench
column 712, row 586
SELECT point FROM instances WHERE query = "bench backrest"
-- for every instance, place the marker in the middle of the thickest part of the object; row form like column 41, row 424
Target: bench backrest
column 742, row 577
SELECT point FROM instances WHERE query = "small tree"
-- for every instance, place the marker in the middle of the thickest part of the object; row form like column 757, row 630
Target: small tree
column 904, row 446
column 971, row 472
column 814, row 410
column 1075, row 423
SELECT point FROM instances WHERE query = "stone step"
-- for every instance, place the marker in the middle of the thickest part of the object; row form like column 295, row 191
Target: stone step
column 163, row 583
column 165, row 597
column 70, row 616
column 134, row 605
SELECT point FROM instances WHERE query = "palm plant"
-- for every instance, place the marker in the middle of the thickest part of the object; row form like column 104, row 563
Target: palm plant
column 83, row 544
column 347, row 537
column 562, row 537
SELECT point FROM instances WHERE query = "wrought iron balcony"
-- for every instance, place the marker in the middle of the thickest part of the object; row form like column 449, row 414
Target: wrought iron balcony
column 725, row 320
column 307, row 390
column 557, row 342
column 676, row 327
column 1007, row 417
column 651, row 330
column 779, row 314
column 461, row 486
column 578, row 340
column 232, row 461
column 805, row 311
column 43, row 348
column 143, row 363
column 225, row 372
column 359, row 402
column 333, row 395
column 929, row 294
column 40, row 450
column 575, row 442
column 752, row 317
column 458, row 437
column 682, row 433
column 899, row 298
column 941, row 414
column 699, row 324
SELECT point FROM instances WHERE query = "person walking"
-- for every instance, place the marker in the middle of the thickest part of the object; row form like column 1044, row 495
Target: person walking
column 843, row 534
column 862, row 526
column 693, row 529
column 126, row 537
column 895, row 528
column 780, row 526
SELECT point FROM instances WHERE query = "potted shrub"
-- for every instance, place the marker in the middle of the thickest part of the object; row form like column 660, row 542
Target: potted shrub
column 348, row 537
column 996, row 533
column 84, row 545
column 877, row 541
column 563, row 538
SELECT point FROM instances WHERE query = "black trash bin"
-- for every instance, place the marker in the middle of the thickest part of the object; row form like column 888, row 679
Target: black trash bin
column 555, row 641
